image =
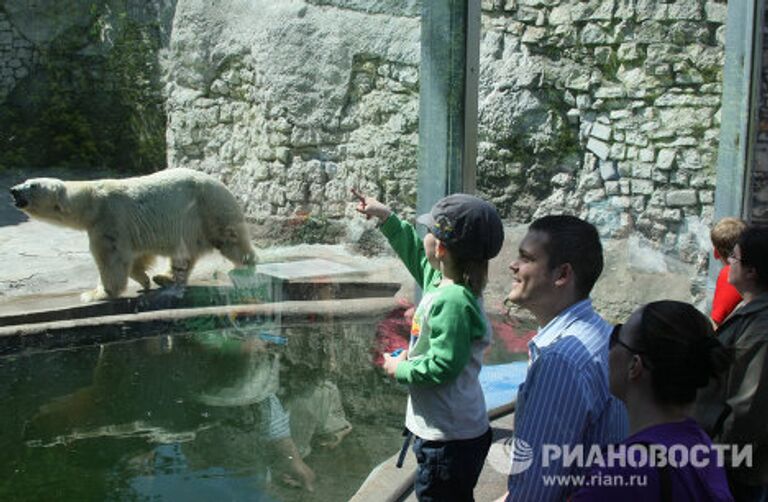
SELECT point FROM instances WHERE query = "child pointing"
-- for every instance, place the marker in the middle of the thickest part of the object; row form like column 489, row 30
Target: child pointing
column 446, row 409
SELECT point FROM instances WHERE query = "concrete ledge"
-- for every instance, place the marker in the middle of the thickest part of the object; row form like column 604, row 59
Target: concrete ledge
column 387, row 483
column 102, row 329
column 203, row 296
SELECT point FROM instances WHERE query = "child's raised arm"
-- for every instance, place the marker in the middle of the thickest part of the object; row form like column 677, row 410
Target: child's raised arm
column 371, row 207
column 401, row 236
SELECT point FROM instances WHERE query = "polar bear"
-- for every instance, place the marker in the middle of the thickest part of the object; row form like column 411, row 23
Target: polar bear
column 178, row 213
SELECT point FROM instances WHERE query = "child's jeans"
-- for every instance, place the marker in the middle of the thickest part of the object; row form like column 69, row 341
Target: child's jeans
column 448, row 470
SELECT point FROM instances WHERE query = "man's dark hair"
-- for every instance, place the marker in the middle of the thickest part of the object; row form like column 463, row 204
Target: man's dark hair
column 575, row 241
column 753, row 244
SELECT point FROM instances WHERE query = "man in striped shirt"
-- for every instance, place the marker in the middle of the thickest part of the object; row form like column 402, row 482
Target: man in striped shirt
column 565, row 399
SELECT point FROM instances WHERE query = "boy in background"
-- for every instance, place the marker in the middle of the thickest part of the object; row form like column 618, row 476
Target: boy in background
column 724, row 236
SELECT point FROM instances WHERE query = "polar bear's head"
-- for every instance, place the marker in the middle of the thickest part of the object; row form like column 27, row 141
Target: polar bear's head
column 43, row 198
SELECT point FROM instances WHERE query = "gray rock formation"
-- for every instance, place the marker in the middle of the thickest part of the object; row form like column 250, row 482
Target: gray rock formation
column 293, row 104
column 80, row 83
column 608, row 109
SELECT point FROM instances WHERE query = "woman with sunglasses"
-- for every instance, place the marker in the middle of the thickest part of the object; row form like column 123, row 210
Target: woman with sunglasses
column 658, row 359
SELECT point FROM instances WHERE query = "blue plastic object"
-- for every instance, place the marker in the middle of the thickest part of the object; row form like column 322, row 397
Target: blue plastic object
column 277, row 340
column 396, row 352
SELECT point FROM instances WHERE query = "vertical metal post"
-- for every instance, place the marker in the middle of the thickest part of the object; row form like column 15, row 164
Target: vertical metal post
column 471, row 84
column 743, row 47
column 450, row 40
column 756, row 171
column 738, row 105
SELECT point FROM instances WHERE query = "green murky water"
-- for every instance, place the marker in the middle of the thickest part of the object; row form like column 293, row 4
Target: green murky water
column 206, row 416
column 198, row 417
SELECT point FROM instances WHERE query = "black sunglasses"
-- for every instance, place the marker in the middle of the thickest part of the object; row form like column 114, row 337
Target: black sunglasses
column 615, row 340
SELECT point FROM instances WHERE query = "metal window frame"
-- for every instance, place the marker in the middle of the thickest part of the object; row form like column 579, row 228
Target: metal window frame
column 740, row 102
column 448, row 99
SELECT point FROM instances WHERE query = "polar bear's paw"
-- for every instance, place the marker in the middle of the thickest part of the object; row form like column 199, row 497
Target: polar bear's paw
column 94, row 295
column 164, row 280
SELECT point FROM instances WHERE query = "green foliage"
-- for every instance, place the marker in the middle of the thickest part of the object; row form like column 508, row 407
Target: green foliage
column 711, row 74
column 49, row 126
column 699, row 130
column 566, row 142
column 134, row 70
column 610, row 68
column 13, row 150
column 97, row 107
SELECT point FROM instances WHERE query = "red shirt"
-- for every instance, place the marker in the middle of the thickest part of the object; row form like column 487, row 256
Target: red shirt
column 726, row 297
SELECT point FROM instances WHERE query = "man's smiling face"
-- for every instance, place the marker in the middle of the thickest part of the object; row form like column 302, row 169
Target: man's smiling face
column 532, row 280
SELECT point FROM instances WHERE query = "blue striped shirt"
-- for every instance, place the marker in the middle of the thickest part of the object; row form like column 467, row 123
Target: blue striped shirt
column 565, row 400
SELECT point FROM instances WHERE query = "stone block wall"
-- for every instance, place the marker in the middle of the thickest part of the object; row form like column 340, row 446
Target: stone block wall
column 17, row 56
column 292, row 104
column 608, row 109
column 619, row 106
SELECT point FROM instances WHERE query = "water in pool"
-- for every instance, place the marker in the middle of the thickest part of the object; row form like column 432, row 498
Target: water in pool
column 207, row 416
column 216, row 415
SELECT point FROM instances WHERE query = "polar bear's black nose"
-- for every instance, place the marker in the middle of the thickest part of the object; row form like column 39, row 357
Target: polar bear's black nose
column 18, row 198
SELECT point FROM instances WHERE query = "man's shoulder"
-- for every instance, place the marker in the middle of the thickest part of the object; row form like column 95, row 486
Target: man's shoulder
column 569, row 374
column 582, row 321
column 746, row 331
column 565, row 356
column 583, row 338
column 557, row 359
column 571, row 358
column 751, row 319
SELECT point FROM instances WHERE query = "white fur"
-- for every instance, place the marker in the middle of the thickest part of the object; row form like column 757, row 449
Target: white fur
column 178, row 213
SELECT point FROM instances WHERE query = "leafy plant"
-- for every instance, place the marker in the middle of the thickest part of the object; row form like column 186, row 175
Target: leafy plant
column 94, row 108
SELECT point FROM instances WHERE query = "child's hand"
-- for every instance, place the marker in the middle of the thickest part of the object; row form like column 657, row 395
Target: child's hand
column 371, row 207
column 390, row 363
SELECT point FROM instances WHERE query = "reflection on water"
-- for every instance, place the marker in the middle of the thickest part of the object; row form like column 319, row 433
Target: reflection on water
column 251, row 413
column 208, row 416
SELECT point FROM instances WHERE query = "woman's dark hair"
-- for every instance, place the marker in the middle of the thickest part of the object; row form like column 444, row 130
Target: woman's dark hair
column 680, row 349
column 753, row 245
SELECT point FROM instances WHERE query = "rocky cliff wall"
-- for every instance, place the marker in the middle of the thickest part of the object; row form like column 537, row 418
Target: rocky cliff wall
column 81, row 82
column 608, row 109
column 293, row 103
